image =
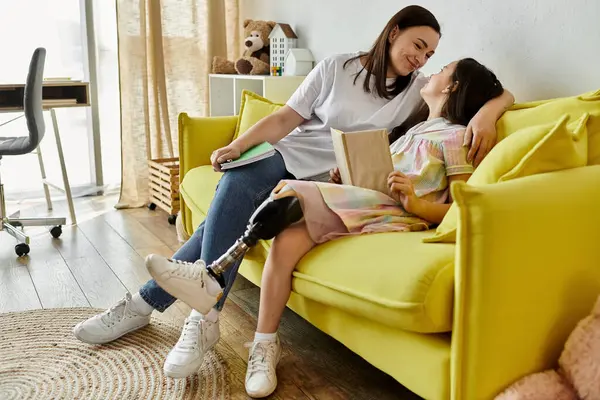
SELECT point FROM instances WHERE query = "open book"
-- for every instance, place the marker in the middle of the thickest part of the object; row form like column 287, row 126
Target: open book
column 256, row 153
column 363, row 158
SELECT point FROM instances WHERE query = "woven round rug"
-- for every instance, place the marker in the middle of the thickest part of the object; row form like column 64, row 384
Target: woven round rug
column 41, row 359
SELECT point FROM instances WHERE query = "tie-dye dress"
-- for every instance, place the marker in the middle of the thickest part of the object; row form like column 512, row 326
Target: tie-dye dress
column 428, row 153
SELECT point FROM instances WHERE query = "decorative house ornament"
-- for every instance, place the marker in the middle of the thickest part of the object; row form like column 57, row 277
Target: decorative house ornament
column 298, row 62
column 283, row 38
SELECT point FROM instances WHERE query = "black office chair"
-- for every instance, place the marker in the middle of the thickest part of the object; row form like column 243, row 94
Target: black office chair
column 14, row 146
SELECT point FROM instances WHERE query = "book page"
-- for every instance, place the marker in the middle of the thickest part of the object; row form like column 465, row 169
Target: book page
column 339, row 149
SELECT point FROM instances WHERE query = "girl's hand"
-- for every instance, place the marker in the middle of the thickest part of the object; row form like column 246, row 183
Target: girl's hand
column 403, row 191
column 334, row 176
column 220, row 156
column 480, row 136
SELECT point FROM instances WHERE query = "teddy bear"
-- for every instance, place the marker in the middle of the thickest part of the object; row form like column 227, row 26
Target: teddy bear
column 578, row 374
column 256, row 57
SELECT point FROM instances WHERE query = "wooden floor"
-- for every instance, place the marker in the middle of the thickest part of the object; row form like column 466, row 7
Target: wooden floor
column 96, row 262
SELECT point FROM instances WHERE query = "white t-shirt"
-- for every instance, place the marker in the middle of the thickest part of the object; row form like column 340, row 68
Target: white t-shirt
column 328, row 98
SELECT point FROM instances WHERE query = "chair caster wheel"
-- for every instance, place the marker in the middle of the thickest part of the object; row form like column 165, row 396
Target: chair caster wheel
column 152, row 206
column 56, row 231
column 22, row 249
column 172, row 219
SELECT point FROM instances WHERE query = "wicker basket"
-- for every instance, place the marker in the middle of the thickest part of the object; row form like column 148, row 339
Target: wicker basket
column 164, row 185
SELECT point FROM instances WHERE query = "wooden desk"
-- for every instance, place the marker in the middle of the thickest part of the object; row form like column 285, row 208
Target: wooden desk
column 55, row 94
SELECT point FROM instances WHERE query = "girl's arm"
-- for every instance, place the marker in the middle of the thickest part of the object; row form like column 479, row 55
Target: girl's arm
column 402, row 190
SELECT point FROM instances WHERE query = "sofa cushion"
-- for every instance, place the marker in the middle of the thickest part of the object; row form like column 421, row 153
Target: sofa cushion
column 253, row 108
column 533, row 150
column 392, row 278
column 544, row 111
column 555, row 151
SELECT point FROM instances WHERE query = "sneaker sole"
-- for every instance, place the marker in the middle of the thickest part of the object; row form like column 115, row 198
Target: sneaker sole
column 262, row 395
column 175, row 374
column 104, row 341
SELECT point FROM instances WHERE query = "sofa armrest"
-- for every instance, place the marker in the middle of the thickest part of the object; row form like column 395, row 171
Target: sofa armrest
column 527, row 270
column 198, row 138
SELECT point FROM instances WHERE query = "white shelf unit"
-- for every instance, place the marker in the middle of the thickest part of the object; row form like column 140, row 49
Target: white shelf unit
column 225, row 90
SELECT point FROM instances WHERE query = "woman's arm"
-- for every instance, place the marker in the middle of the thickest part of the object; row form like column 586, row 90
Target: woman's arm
column 402, row 190
column 309, row 95
column 481, row 132
column 270, row 129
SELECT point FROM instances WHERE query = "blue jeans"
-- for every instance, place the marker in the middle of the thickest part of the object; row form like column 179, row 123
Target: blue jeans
column 239, row 192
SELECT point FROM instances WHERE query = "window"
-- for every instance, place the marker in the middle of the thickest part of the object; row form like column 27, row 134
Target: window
column 58, row 28
column 61, row 29
column 281, row 39
column 109, row 102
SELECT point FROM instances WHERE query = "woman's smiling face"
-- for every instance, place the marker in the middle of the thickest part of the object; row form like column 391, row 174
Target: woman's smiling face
column 410, row 49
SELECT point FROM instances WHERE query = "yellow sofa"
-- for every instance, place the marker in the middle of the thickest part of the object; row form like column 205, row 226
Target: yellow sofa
column 448, row 321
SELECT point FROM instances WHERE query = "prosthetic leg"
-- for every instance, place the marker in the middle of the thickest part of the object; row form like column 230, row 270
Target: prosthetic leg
column 269, row 219
column 201, row 286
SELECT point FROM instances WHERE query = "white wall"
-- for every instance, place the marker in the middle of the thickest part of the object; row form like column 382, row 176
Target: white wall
column 538, row 48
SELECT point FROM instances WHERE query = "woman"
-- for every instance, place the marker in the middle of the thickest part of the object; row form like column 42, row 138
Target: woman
column 379, row 89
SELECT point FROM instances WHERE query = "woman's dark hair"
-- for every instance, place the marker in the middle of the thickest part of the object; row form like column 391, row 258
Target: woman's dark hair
column 378, row 58
column 475, row 86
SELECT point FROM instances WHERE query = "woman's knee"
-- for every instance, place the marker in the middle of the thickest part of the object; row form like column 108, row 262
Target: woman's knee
column 241, row 184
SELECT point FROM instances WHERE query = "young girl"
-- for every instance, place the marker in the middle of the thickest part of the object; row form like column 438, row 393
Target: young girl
column 427, row 159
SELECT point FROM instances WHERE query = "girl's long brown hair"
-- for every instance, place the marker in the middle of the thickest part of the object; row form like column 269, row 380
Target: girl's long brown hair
column 475, row 86
column 378, row 58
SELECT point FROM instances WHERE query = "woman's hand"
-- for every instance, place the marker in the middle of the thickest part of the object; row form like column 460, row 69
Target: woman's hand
column 481, row 136
column 229, row 152
column 481, row 133
column 334, row 176
column 403, row 191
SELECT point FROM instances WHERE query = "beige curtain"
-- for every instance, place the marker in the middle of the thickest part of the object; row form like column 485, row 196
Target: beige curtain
column 165, row 54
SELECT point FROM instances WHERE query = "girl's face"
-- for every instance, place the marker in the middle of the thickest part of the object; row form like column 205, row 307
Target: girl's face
column 410, row 49
column 440, row 84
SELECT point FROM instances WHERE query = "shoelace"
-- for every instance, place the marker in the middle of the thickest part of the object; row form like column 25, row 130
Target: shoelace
column 188, row 270
column 116, row 312
column 262, row 354
column 189, row 335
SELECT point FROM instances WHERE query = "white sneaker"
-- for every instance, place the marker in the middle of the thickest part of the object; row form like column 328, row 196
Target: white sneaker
column 261, row 377
column 188, row 282
column 197, row 337
column 111, row 324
